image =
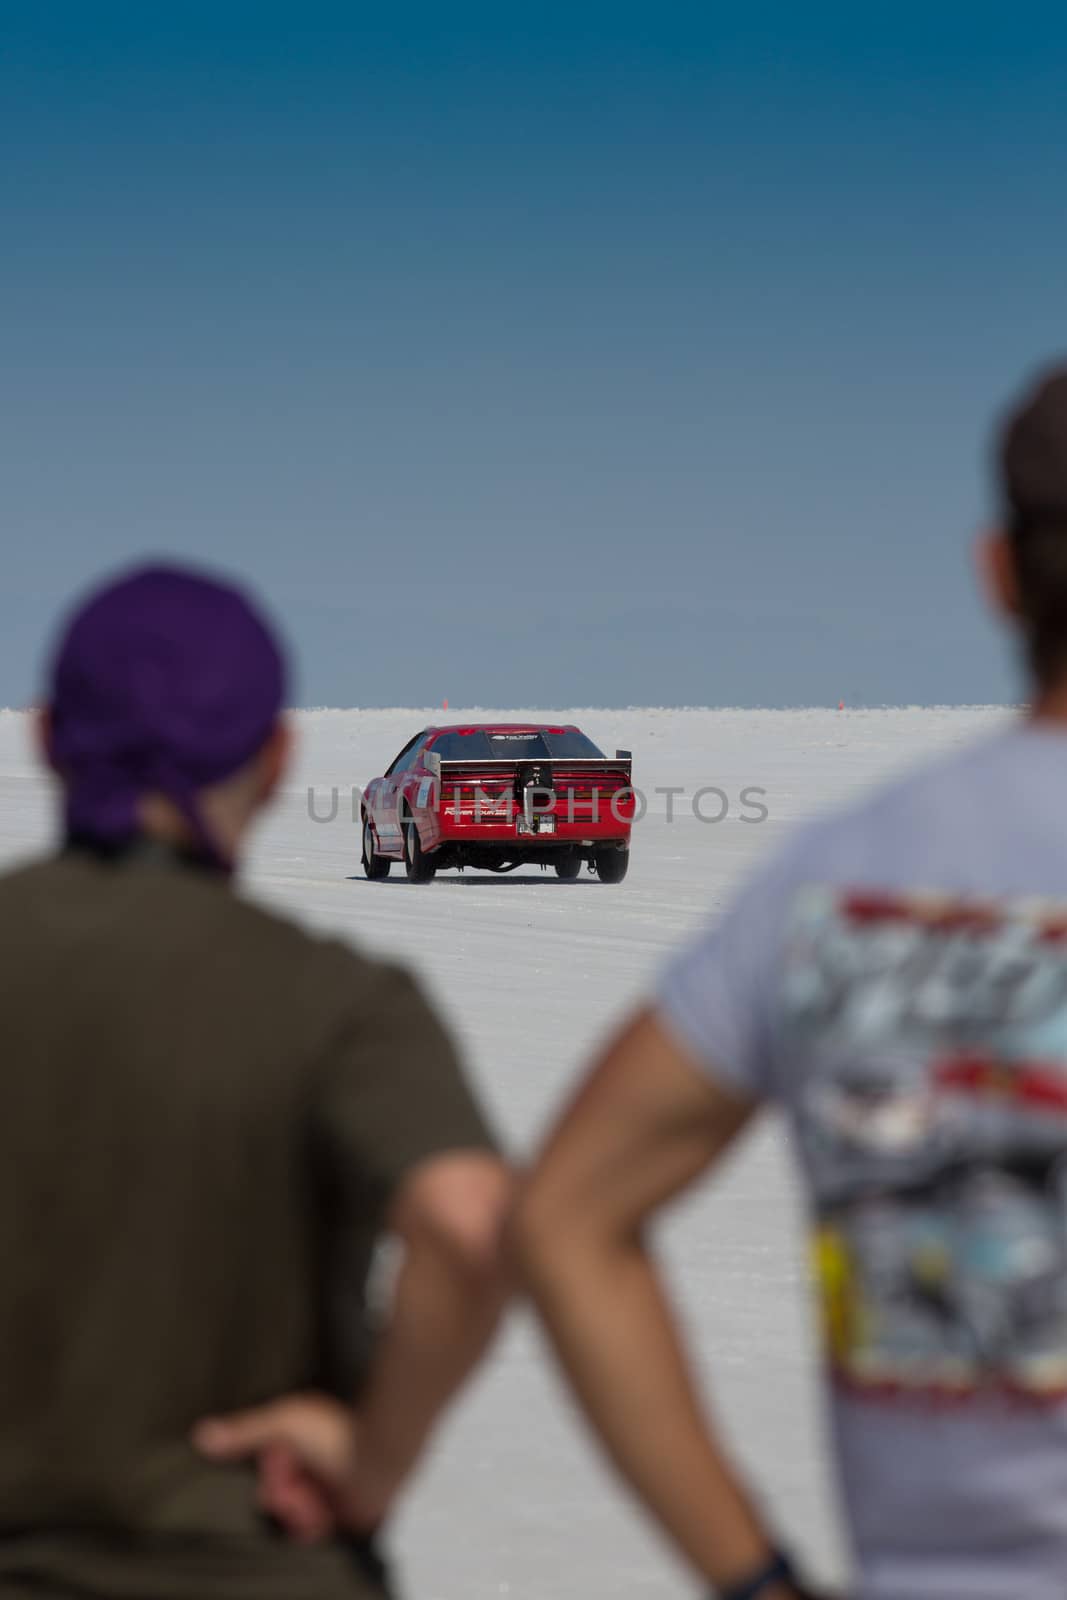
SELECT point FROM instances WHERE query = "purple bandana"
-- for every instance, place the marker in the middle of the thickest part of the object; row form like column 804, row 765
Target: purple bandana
column 165, row 681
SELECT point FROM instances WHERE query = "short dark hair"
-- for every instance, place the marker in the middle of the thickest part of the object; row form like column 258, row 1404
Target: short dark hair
column 1033, row 467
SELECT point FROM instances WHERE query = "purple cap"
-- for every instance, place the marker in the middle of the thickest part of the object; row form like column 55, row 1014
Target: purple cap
column 165, row 681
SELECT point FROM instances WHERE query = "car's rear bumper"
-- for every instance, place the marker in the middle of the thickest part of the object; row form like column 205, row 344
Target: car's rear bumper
column 452, row 830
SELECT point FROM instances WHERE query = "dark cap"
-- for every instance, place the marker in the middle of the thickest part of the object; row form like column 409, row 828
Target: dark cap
column 1033, row 455
column 165, row 681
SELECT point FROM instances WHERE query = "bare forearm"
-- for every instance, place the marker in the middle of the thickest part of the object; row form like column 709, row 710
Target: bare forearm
column 442, row 1321
column 614, row 1334
column 322, row 1463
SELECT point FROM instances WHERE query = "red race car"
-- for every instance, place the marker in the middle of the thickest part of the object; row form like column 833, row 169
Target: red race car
column 498, row 796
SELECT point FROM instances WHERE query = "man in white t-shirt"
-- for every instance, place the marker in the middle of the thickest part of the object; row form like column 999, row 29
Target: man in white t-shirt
column 895, row 980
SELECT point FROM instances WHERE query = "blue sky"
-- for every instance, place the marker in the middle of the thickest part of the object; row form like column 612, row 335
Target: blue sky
column 547, row 354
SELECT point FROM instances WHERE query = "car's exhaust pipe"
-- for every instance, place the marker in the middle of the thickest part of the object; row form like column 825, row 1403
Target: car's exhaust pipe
column 534, row 794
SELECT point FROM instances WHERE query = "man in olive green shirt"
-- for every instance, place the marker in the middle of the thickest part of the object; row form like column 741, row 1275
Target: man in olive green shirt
column 208, row 1119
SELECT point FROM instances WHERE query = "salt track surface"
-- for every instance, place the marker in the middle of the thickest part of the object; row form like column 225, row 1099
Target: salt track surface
column 533, row 973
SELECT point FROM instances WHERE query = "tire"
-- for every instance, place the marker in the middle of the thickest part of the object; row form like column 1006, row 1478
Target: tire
column 611, row 865
column 568, row 865
column 375, row 867
column 419, row 868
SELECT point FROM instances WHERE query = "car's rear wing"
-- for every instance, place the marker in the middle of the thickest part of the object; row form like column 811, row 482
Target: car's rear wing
column 492, row 764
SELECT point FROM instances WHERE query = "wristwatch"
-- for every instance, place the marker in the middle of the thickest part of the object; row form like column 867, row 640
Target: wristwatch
column 776, row 1569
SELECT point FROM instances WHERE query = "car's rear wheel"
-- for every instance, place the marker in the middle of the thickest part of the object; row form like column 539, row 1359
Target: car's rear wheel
column 375, row 866
column 568, row 864
column 611, row 865
column 420, row 868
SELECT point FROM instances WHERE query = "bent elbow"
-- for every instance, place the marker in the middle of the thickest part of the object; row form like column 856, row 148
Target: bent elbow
column 542, row 1236
column 476, row 1246
column 459, row 1209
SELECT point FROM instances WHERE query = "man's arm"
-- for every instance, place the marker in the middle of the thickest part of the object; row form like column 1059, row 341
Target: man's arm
column 643, row 1127
column 322, row 1463
column 451, row 1290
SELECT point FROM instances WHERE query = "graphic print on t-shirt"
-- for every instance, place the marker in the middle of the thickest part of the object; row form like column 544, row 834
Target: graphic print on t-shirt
column 931, row 1036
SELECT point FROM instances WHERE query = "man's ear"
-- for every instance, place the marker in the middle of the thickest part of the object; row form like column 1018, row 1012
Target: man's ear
column 274, row 760
column 41, row 718
column 997, row 573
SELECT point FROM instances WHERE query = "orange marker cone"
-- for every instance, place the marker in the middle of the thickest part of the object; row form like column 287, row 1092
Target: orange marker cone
column 445, row 706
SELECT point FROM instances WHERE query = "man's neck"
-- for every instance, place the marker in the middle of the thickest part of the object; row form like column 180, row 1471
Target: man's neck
column 159, row 818
column 142, row 847
column 1050, row 705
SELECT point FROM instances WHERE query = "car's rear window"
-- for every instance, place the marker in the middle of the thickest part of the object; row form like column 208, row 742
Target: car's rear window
column 544, row 744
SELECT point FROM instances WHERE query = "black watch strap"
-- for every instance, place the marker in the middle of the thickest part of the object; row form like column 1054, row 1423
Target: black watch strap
column 776, row 1569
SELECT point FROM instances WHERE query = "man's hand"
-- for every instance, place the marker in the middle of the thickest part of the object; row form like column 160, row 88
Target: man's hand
column 313, row 1476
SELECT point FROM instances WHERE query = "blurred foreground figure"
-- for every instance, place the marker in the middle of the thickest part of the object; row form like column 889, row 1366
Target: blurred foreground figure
column 896, row 980
column 207, row 1119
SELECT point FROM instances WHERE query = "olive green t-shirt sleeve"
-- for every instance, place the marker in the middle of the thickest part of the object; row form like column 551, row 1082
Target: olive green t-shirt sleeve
column 390, row 1094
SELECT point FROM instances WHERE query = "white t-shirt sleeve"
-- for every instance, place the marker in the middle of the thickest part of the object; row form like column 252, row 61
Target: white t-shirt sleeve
column 719, row 994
